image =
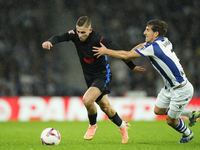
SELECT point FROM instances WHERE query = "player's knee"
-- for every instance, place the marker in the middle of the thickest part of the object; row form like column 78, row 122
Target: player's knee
column 159, row 111
column 87, row 101
column 156, row 112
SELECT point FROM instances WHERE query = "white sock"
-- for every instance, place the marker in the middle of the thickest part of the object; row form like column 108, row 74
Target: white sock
column 122, row 125
column 182, row 128
column 187, row 132
column 94, row 125
column 186, row 113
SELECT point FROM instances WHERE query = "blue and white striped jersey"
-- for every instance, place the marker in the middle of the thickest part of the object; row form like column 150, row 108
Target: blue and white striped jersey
column 165, row 61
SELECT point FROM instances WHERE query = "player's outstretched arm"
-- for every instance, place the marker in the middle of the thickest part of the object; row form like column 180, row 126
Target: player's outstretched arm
column 47, row 45
column 139, row 46
column 100, row 51
column 117, row 54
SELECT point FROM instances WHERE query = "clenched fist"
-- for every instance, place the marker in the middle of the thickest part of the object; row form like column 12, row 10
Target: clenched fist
column 47, row 45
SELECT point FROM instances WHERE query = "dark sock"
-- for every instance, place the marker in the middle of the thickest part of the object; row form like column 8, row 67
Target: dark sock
column 116, row 119
column 167, row 111
column 92, row 119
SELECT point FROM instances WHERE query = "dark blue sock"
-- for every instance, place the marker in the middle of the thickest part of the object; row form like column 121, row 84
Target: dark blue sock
column 181, row 127
column 167, row 111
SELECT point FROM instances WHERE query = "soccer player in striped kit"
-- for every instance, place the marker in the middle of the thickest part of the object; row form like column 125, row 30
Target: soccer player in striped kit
column 178, row 91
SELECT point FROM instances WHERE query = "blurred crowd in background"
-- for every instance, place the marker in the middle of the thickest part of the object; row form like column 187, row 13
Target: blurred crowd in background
column 28, row 70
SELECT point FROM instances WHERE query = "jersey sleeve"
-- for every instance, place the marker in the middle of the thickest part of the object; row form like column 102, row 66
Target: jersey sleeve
column 70, row 35
column 108, row 43
column 146, row 50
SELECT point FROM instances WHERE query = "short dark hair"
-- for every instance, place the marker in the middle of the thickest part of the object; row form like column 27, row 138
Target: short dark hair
column 158, row 25
column 84, row 21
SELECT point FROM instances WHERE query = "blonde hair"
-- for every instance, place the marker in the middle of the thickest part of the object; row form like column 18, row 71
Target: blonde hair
column 84, row 21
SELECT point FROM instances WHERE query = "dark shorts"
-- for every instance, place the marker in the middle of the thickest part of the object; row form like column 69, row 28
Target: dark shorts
column 101, row 81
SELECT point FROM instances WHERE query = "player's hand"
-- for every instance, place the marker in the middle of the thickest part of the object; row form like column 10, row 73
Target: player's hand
column 140, row 68
column 100, row 50
column 47, row 45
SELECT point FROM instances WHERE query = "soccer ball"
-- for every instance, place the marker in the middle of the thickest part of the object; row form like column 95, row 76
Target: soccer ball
column 50, row 136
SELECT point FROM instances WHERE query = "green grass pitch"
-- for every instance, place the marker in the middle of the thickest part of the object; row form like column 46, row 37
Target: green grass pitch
column 152, row 135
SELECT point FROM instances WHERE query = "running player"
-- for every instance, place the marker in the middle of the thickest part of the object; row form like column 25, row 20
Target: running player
column 178, row 91
column 97, row 73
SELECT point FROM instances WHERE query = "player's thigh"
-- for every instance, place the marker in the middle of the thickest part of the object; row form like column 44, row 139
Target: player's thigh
column 160, row 111
column 91, row 94
column 182, row 94
column 180, row 98
column 163, row 99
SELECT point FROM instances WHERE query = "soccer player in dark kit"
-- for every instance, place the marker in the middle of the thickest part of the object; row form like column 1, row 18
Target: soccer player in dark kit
column 97, row 73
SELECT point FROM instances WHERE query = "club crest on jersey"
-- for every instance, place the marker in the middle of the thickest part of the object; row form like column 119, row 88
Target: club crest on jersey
column 71, row 32
column 88, row 60
column 141, row 48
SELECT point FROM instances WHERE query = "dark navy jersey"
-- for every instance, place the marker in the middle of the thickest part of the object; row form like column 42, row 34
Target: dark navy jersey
column 91, row 65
